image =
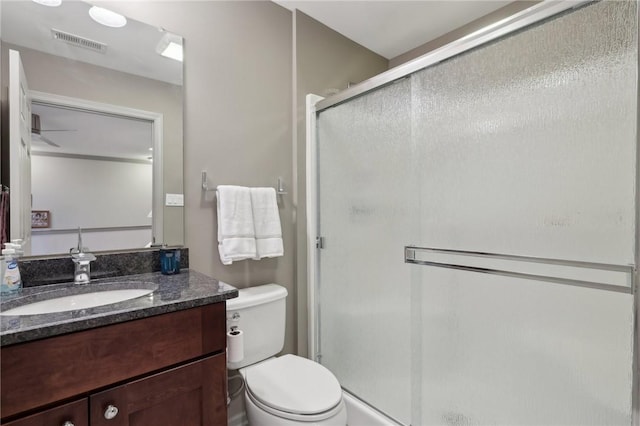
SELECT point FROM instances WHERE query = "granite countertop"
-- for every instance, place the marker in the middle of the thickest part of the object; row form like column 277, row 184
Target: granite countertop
column 185, row 290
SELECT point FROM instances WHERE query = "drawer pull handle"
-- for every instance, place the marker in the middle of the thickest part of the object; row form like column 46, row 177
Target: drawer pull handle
column 68, row 423
column 110, row 412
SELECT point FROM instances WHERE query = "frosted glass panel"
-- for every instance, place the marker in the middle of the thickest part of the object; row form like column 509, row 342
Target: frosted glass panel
column 528, row 147
column 529, row 143
column 366, row 208
column 505, row 351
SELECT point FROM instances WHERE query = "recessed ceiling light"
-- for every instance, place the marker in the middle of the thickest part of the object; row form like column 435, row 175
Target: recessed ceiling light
column 51, row 3
column 173, row 51
column 170, row 46
column 106, row 17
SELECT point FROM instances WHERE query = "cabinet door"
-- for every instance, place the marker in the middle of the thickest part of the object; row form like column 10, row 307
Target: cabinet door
column 72, row 414
column 191, row 395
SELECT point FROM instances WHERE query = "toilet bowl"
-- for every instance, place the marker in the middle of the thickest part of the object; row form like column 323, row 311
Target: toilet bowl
column 291, row 390
column 279, row 391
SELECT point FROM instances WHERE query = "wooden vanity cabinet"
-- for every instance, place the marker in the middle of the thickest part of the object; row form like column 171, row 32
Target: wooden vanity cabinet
column 75, row 413
column 168, row 369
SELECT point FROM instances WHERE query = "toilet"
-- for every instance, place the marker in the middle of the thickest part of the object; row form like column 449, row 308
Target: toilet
column 279, row 391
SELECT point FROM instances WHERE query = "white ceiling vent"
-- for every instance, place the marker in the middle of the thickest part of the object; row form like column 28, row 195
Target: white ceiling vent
column 79, row 41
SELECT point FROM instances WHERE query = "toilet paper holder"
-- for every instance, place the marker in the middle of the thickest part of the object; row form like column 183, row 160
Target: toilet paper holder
column 234, row 320
column 235, row 342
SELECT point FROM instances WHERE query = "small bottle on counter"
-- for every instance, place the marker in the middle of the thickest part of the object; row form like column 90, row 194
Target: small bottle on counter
column 169, row 261
column 17, row 246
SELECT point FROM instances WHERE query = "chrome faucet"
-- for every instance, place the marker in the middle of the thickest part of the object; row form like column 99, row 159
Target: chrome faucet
column 82, row 261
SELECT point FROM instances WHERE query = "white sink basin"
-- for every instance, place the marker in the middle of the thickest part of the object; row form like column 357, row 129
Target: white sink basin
column 78, row 301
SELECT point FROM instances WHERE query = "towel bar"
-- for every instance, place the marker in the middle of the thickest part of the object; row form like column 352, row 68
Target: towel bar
column 205, row 186
column 411, row 255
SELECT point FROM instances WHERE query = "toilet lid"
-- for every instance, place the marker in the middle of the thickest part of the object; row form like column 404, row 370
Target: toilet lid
column 294, row 385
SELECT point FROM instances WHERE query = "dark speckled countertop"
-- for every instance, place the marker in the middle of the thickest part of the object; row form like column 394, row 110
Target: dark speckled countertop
column 185, row 290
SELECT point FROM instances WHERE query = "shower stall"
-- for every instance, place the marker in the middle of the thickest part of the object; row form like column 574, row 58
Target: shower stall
column 473, row 226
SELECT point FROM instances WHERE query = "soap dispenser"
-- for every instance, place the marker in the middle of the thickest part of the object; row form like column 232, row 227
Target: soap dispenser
column 11, row 281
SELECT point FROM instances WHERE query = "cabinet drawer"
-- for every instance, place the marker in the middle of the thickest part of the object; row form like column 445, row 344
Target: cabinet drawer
column 190, row 395
column 75, row 413
column 57, row 368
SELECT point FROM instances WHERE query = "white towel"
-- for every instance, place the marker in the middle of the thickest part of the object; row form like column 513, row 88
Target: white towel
column 236, row 232
column 266, row 220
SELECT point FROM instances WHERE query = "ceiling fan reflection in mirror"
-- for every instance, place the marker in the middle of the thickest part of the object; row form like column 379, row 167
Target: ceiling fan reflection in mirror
column 36, row 131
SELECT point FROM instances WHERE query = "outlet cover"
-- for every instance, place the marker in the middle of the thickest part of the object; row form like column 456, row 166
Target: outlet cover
column 175, row 200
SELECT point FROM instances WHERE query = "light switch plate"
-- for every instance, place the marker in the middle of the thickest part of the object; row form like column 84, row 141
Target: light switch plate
column 174, row 199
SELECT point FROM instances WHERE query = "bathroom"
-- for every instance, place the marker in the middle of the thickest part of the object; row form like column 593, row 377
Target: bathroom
column 248, row 67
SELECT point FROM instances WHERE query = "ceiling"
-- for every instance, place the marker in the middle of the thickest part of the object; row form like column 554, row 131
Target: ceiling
column 130, row 49
column 391, row 28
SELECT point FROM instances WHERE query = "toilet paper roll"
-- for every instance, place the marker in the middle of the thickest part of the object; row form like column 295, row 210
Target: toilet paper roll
column 235, row 346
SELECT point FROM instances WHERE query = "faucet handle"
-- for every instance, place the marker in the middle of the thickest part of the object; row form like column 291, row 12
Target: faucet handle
column 79, row 249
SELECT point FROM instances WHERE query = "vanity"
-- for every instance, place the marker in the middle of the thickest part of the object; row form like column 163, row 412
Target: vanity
column 158, row 359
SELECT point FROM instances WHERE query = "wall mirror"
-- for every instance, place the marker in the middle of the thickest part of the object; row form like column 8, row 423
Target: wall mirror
column 106, row 126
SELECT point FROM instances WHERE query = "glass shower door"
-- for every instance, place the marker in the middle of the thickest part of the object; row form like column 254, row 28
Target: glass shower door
column 530, row 155
column 367, row 203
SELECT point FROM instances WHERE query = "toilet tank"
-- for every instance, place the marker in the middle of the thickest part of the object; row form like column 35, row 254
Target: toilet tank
column 261, row 315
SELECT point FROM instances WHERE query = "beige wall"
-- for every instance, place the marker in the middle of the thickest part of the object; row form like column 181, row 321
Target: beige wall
column 237, row 121
column 60, row 76
column 325, row 61
column 239, row 117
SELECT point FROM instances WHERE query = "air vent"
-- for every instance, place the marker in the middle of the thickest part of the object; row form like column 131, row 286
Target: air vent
column 79, row 41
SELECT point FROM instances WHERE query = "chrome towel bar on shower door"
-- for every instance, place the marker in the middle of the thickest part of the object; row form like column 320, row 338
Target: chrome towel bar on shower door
column 618, row 273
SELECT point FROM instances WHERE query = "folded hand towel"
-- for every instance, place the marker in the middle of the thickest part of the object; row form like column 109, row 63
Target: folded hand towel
column 266, row 220
column 236, row 232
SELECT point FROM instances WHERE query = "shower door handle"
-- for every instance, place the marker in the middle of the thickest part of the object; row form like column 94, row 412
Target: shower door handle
column 621, row 277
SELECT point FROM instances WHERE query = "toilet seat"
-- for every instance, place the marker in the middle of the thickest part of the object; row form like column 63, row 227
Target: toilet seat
column 304, row 418
column 294, row 387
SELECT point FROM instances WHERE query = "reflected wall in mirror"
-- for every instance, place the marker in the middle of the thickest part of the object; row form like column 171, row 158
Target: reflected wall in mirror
column 104, row 96
column 102, row 155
